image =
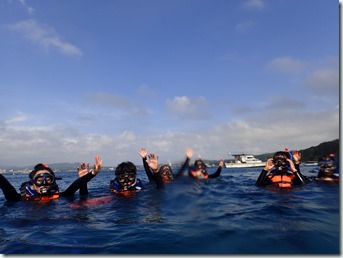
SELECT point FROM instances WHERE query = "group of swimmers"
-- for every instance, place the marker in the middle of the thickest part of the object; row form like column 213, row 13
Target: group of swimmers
column 281, row 171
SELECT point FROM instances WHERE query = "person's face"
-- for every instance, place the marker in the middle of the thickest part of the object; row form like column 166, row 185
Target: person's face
column 127, row 179
column 327, row 167
column 200, row 167
column 281, row 164
column 42, row 181
column 166, row 174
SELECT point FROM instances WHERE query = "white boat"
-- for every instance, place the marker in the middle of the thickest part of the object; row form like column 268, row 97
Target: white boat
column 310, row 163
column 244, row 161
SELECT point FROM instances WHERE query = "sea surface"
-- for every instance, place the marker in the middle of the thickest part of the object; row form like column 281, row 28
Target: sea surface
column 226, row 215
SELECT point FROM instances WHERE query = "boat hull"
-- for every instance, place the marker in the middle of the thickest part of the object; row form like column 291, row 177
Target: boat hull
column 245, row 165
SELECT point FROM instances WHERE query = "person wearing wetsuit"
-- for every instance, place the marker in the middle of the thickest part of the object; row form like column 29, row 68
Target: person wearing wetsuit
column 164, row 174
column 198, row 170
column 126, row 181
column 281, row 172
column 327, row 169
column 42, row 185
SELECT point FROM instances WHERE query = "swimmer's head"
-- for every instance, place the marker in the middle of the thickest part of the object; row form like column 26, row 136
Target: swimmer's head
column 166, row 173
column 198, row 170
column 327, row 165
column 126, row 174
column 280, row 161
column 42, row 178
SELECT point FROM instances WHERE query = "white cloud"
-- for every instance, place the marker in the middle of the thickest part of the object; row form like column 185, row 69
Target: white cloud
column 28, row 8
column 146, row 90
column 188, row 108
column 244, row 26
column 44, row 36
column 288, row 65
column 254, row 5
column 20, row 117
column 324, row 80
column 268, row 132
column 107, row 99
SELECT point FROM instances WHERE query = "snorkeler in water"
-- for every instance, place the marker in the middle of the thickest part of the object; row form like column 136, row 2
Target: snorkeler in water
column 199, row 170
column 42, row 185
column 164, row 174
column 281, row 172
column 126, row 181
column 327, row 169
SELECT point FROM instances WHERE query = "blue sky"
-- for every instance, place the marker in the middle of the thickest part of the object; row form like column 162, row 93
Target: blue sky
column 85, row 77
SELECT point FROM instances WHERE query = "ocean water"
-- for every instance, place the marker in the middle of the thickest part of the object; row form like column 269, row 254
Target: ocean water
column 227, row 215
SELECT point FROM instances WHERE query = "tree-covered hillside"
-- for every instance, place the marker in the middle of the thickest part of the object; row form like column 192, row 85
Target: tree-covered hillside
column 312, row 153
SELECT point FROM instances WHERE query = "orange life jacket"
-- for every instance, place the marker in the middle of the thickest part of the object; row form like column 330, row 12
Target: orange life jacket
column 201, row 176
column 282, row 180
column 43, row 198
column 126, row 193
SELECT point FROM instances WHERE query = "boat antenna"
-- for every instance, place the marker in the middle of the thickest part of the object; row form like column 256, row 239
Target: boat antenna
column 242, row 149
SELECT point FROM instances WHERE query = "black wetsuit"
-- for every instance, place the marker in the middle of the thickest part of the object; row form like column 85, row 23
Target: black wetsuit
column 206, row 175
column 216, row 174
column 157, row 178
column 11, row 194
column 264, row 180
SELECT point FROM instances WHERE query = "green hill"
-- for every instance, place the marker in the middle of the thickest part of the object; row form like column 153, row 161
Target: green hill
column 312, row 153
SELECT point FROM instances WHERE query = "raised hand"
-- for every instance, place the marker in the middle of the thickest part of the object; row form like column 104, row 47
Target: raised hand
column 189, row 153
column 143, row 153
column 83, row 169
column 221, row 162
column 153, row 162
column 97, row 166
column 296, row 156
column 291, row 165
column 269, row 164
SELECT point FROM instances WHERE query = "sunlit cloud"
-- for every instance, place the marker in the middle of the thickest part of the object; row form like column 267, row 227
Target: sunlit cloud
column 287, row 65
column 146, row 90
column 324, row 80
column 28, row 8
column 108, row 99
column 270, row 131
column 184, row 107
column 254, row 5
column 20, row 117
column 44, row 36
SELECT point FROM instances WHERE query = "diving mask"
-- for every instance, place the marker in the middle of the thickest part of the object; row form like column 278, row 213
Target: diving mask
column 43, row 179
column 126, row 177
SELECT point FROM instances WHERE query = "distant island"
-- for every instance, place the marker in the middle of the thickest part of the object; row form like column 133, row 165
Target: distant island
column 313, row 153
column 309, row 155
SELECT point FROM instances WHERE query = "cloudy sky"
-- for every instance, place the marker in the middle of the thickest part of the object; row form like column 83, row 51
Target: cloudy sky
column 85, row 77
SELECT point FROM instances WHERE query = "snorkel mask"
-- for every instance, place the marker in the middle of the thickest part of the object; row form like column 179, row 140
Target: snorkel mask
column 126, row 174
column 327, row 165
column 166, row 173
column 127, row 179
column 200, row 165
column 42, row 177
column 280, row 162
